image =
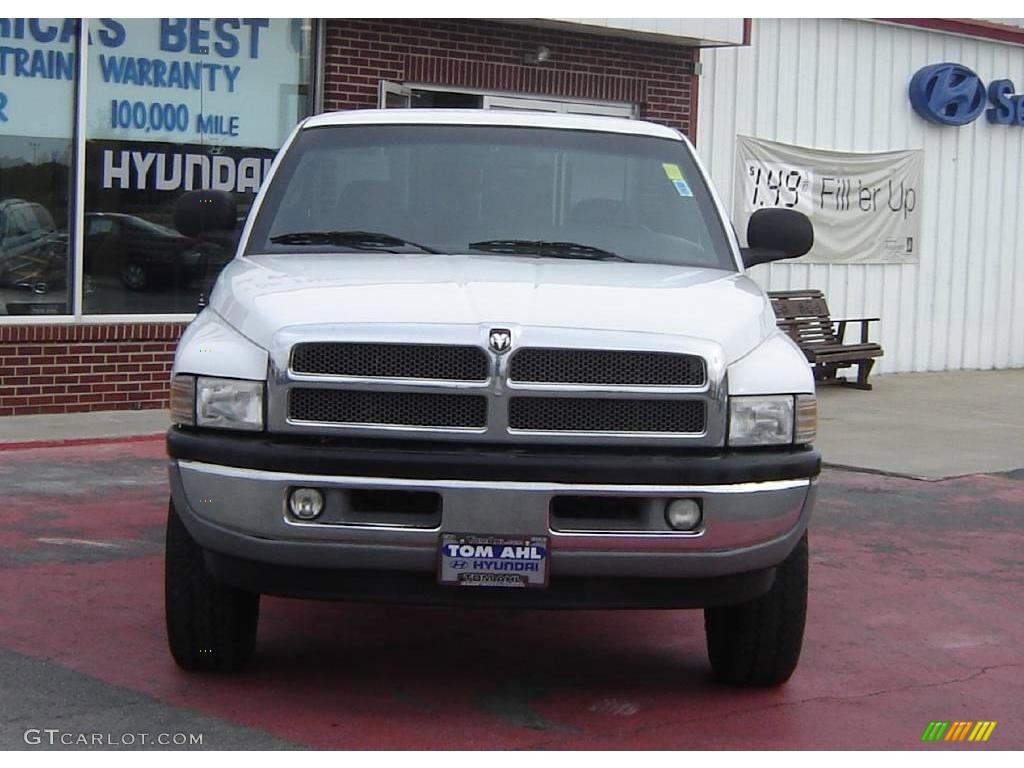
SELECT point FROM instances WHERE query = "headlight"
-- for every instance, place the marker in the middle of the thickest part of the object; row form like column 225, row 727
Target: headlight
column 761, row 420
column 206, row 401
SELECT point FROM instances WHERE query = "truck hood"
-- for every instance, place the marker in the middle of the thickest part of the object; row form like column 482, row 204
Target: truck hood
column 261, row 295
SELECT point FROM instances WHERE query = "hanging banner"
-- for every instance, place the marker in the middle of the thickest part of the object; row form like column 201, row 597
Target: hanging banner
column 865, row 206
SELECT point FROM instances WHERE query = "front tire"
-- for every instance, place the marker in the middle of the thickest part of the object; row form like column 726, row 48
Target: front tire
column 210, row 626
column 757, row 643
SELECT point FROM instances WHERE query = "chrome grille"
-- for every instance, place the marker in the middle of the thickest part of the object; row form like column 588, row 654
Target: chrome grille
column 396, row 361
column 442, row 382
column 539, row 365
column 584, row 414
column 411, row 409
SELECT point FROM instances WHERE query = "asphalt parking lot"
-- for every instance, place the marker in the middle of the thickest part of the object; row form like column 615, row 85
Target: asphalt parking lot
column 914, row 617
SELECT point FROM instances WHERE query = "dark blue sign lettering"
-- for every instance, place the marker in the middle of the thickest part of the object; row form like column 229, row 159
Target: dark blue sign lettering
column 47, row 35
column 111, row 33
column 255, row 26
column 1007, row 108
column 947, row 94
column 952, row 94
column 33, row 29
column 228, row 42
column 50, row 65
column 196, row 36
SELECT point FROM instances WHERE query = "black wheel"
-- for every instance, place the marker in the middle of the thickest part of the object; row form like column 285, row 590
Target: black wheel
column 758, row 642
column 210, row 626
column 135, row 276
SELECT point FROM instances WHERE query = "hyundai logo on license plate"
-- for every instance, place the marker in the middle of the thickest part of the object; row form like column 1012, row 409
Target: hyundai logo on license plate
column 493, row 561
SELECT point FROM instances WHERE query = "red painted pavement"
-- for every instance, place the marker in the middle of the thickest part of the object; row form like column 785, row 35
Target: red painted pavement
column 914, row 616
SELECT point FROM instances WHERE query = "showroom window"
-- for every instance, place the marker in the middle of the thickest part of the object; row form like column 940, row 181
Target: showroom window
column 166, row 106
column 38, row 65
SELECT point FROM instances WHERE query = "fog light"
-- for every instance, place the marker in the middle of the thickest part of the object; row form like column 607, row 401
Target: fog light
column 683, row 514
column 306, row 503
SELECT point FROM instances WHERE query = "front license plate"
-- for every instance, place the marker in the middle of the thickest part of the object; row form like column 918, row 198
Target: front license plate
column 493, row 561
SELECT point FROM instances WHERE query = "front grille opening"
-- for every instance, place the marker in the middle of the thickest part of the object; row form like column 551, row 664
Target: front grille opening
column 581, row 414
column 542, row 365
column 411, row 409
column 383, row 506
column 379, row 506
column 603, row 507
column 371, row 501
column 395, row 361
column 606, row 513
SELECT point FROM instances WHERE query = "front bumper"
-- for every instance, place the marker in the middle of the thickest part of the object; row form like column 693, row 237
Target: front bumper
column 238, row 513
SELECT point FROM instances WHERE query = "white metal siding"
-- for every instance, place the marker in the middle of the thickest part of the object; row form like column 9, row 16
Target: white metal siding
column 842, row 84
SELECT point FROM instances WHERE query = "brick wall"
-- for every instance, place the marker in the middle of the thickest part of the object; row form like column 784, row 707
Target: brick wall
column 68, row 368
column 488, row 55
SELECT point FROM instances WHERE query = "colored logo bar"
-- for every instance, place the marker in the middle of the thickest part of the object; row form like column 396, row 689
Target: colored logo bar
column 958, row 730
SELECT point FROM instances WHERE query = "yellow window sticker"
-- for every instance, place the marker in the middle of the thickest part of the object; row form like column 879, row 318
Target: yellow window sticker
column 675, row 176
column 672, row 171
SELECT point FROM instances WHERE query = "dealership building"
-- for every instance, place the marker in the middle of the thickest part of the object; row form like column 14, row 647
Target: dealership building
column 917, row 201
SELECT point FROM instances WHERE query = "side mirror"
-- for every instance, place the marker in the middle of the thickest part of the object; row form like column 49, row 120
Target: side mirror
column 777, row 233
column 205, row 211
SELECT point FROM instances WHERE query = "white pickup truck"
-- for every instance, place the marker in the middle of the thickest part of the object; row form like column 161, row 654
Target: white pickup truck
column 491, row 358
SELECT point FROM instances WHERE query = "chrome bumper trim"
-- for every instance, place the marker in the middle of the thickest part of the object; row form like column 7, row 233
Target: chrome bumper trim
column 238, row 507
column 293, row 478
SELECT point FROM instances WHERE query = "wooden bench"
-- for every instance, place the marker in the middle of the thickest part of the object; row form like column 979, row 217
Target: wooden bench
column 805, row 317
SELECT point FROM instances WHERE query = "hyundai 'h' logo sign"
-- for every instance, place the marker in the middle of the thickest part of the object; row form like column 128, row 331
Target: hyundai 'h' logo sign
column 500, row 340
column 947, row 94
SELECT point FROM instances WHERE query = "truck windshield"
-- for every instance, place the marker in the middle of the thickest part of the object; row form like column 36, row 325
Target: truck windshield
column 521, row 192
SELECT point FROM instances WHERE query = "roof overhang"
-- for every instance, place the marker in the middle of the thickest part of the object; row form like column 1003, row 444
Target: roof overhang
column 701, row 33
column 1007, row 31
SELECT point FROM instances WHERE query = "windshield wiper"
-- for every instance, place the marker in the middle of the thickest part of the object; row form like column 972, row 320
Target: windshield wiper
column 549, row 248
column 351, row 238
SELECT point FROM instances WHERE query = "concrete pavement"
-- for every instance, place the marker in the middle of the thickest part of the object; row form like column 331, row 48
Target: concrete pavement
column 65, row 427
column 926, row 425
